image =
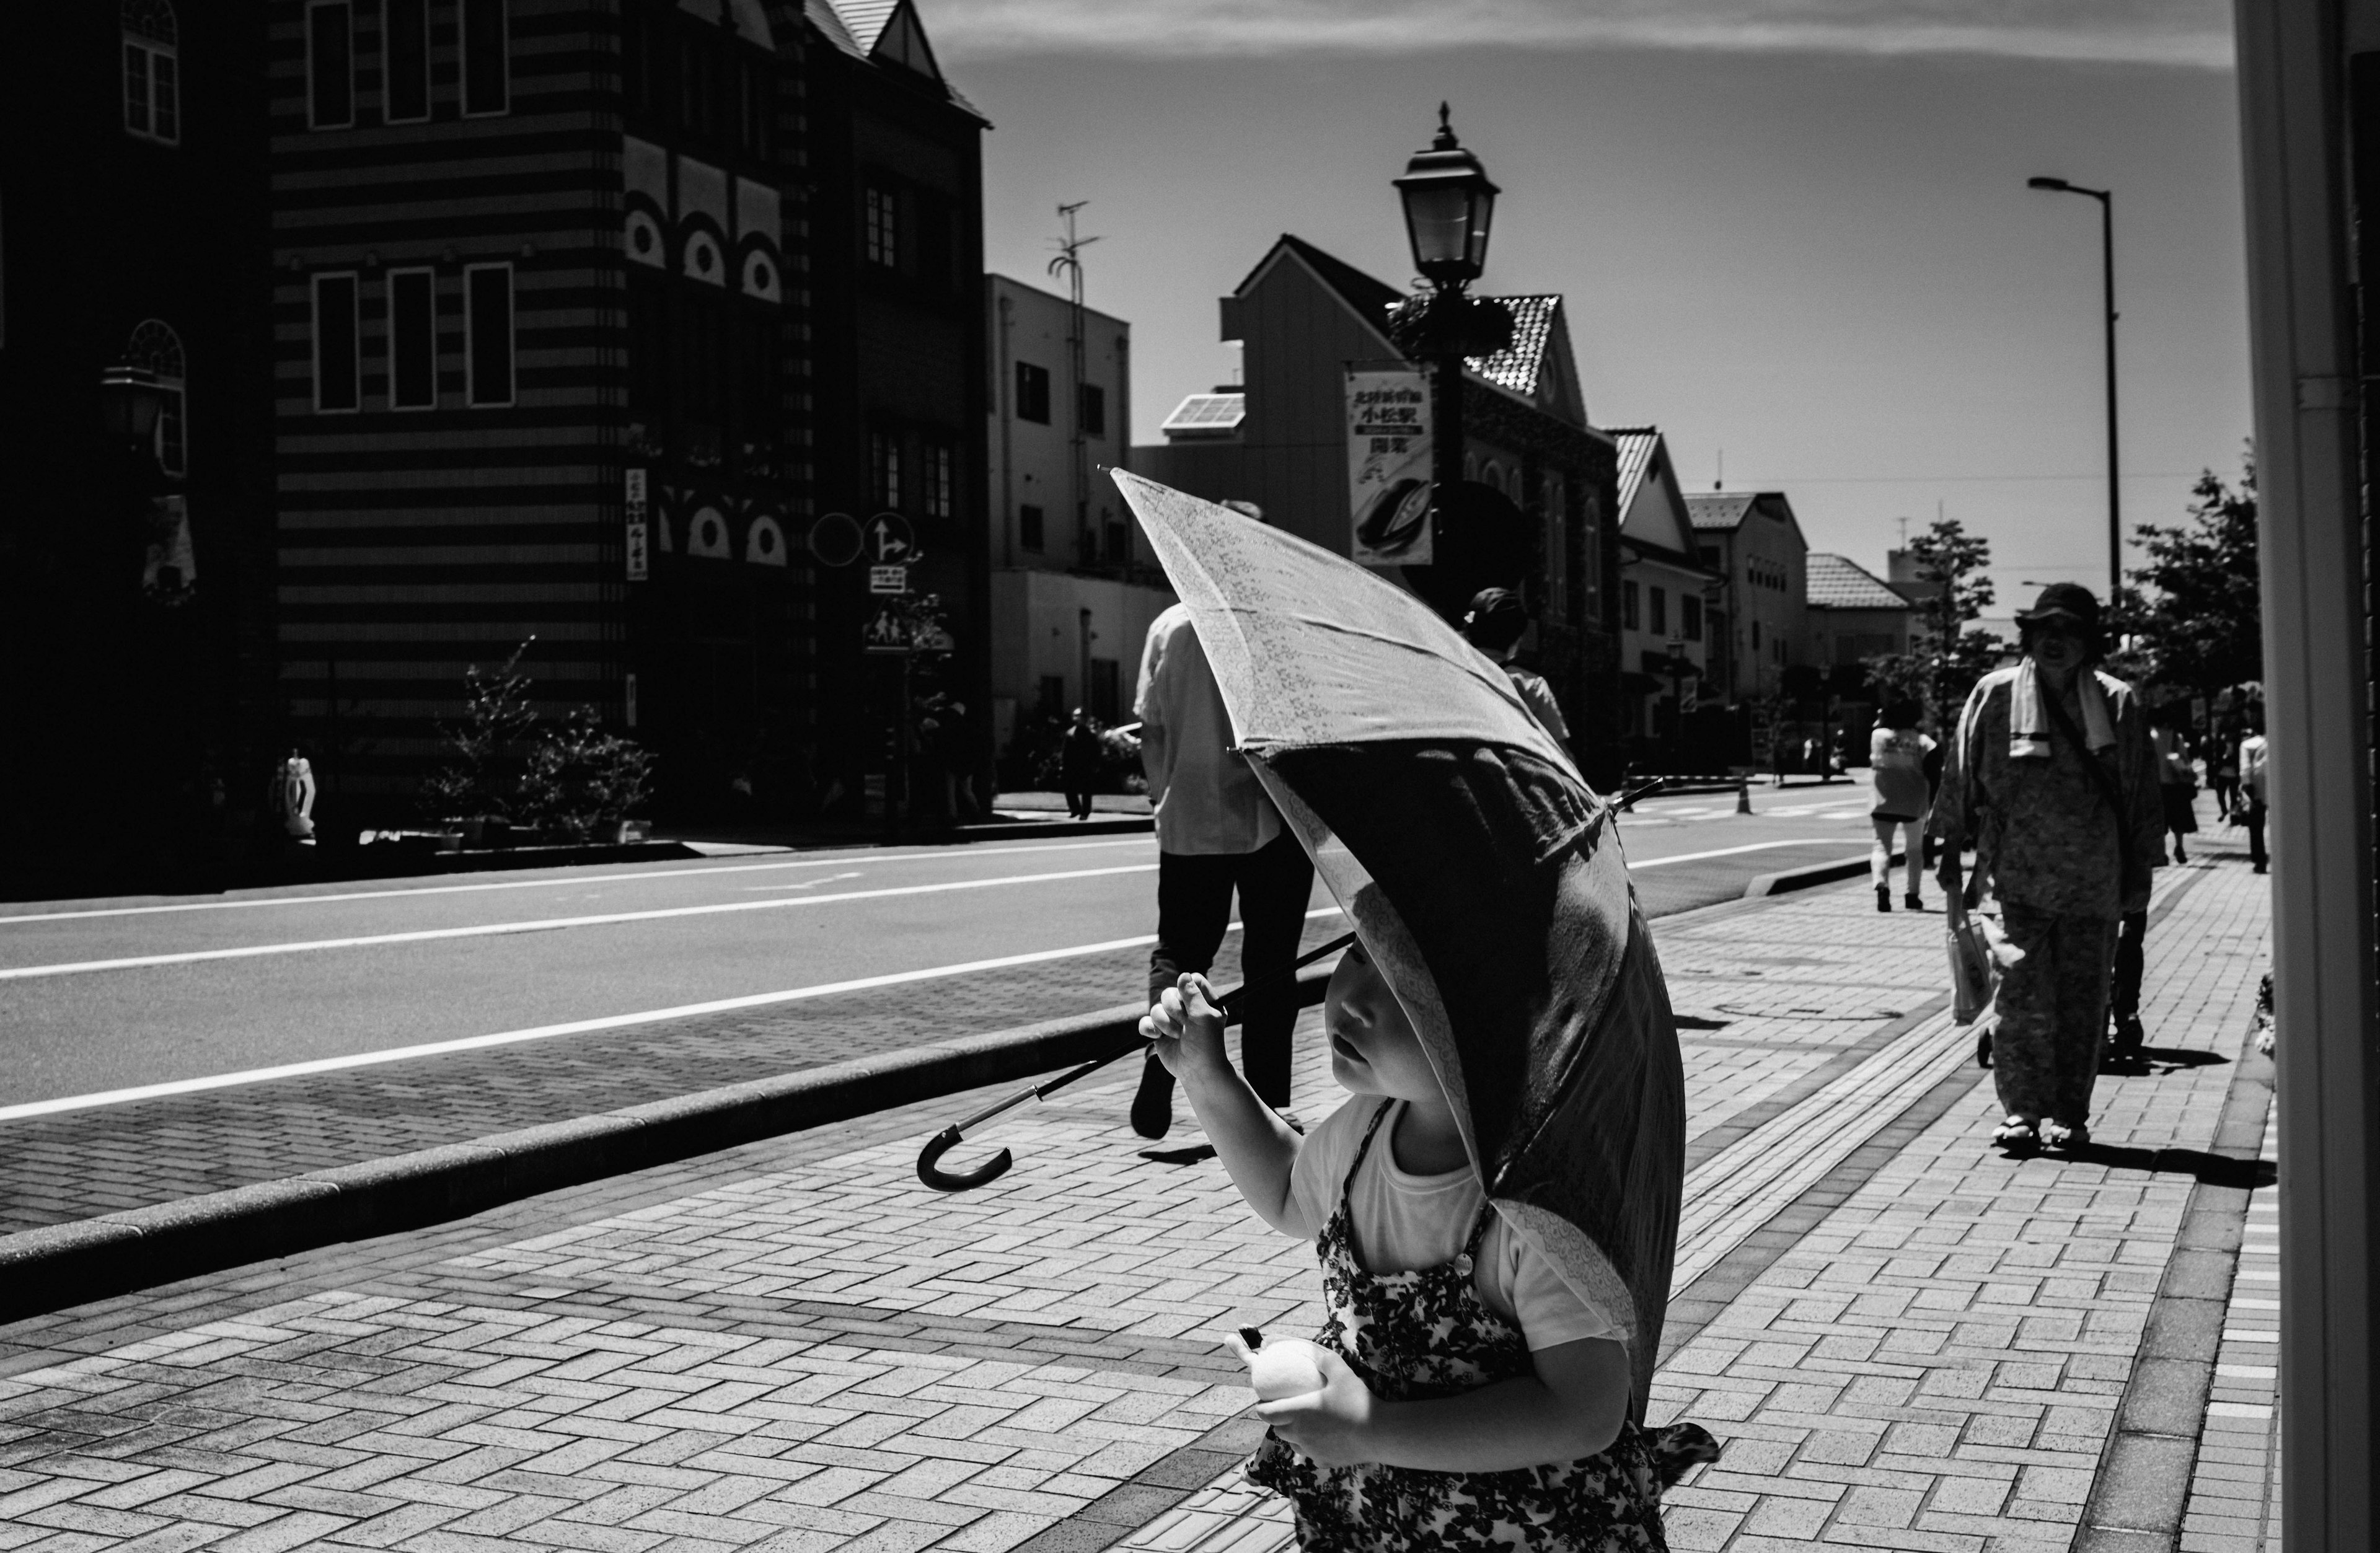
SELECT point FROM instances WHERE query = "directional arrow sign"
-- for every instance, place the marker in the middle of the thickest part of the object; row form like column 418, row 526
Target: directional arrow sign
column 891, row 541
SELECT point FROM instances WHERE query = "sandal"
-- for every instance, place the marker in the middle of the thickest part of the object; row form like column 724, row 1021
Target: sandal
column 2058, row 1136
column 2017, row 1135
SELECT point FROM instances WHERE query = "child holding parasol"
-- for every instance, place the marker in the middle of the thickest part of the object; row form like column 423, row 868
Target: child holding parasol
column 1470, row 1396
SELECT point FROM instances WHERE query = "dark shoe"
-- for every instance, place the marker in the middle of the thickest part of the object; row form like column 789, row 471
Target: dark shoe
column 1883, row 897
column 2260, row 868
column 2180, row 857
column 1152, row 1108
column 1915, row 903
column 2130, row 1035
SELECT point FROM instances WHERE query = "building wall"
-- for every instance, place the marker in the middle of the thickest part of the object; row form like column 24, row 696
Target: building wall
column 158, row 702
column 1067, row 641
column 1032, row 463
column 1840, row 636
column 1763, row 560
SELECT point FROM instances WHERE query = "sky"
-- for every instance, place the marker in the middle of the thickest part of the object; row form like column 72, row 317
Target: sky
column 1793, row 234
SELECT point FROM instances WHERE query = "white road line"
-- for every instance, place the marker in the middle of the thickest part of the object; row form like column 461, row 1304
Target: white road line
column 580, row 880
column 575, row 1028
column 1730, row 851
column 544, row 924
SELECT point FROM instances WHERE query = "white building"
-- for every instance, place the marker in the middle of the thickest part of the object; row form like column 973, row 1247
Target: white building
column 1665, row 589
column 1074, row 586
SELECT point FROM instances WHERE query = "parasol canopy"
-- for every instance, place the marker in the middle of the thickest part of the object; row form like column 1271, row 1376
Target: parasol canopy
column 1482, row 872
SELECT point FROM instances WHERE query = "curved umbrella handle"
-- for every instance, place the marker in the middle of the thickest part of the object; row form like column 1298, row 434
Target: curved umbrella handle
column 931, row 1172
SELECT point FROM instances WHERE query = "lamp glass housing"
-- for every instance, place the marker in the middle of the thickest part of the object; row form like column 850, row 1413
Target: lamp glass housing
column 1449, row 205
column 130, row 403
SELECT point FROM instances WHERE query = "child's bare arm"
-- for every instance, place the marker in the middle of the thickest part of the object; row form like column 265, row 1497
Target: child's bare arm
column 1255, row 1145
column 1571, row 1407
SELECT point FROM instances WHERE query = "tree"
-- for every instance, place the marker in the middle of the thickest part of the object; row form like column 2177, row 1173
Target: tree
column 1945, row 659
column 2193, row 618
column 488, row 750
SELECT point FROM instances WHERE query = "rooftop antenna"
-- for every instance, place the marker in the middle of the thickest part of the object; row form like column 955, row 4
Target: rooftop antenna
column 1069, row 263
column 1720, row 483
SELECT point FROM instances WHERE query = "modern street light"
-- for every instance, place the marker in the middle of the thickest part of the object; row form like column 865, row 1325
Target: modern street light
column 2107, row 272
column 1450, row 205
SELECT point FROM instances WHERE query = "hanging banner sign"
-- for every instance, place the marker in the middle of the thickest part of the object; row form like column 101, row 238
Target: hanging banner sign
column 1389, row 466
column 636, row 549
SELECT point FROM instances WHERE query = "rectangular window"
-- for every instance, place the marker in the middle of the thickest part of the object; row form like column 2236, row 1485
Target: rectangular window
column 1028, row 527
column 1118, row 544
column 941, row 490
column 330, row 66
column 649, row 352
column 757, row 99
column 1107, row 689
column 1628, row 605
column 1053, row 695
column 404, row 61
column 1658, row 610
column 1689, row 617
column 885, row 468
column 336, row 385
column 487, row 58
column 488, row 331
column 883, row 228
column 137, row 118
column 173, row 434
column 1094, row 410
column 412, row 340
column 1756, row 635
column 1032, row 392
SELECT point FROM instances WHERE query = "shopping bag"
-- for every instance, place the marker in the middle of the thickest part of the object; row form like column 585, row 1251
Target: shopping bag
column 1975, row 973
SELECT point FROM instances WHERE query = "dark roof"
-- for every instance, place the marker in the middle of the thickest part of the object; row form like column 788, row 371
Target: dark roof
column 855, row 27
column 1371, row 298
column 1521, row 365
column 1837, row 582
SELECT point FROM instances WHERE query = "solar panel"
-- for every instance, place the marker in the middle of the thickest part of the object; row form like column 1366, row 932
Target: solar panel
column 1207, row 412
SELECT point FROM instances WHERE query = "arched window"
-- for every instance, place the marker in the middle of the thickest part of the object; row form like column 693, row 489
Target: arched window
column 152, row 72
column 155, row 346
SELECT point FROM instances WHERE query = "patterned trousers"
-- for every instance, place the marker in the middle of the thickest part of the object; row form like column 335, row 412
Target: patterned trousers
column 2053, row 1010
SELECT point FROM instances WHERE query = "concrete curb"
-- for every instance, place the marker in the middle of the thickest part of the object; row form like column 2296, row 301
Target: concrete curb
column 64, row 1264
column 1803, row 877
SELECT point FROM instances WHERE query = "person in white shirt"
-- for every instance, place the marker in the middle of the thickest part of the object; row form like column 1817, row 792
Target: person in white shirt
column 1217, row 833
column 2255, row 762
column 1897, row 756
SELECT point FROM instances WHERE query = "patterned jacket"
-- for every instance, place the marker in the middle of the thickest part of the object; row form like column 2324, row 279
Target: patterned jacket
column 2042, row 831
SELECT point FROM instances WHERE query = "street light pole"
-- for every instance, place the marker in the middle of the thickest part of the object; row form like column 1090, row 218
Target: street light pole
column 2108, row 279
column 1449, row 203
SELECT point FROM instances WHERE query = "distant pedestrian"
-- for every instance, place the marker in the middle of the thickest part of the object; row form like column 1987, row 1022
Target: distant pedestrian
column 2223, row 770
column 2052, row 777
column 2255, row 780
column 1898, row 754
column 2176, row 776
column 1078, row 763
column 1495, row 625
column 1217, row 833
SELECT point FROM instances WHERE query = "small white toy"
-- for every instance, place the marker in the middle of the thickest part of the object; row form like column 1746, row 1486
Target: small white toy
column 1282, row 1368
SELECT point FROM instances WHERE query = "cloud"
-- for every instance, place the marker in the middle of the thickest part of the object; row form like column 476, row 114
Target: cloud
column 2186, row 34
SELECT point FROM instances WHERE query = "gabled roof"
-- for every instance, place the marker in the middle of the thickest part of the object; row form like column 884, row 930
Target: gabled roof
column 1635, row 446
column 1720, row 509
column 1837, row 582
column 883, row 32
column 1371, row 299
column 1538, row 364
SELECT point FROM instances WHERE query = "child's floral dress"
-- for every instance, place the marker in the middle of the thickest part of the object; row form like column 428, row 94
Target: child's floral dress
column 1423, row 1334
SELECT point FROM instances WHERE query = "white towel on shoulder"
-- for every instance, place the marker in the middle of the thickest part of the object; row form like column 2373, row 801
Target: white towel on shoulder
column 2029, row 719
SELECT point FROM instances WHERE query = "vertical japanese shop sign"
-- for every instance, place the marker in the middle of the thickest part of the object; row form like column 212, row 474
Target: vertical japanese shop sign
column 1389, row 465
column 634, row 549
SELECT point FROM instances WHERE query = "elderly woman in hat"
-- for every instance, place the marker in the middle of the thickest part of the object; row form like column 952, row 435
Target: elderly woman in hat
column 2052, row 778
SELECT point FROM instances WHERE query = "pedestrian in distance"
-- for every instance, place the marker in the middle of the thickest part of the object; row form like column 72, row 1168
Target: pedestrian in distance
column 1490, row 1409
column 1078, row 763
column 2223, row 770
column 2051, row 775
column 2176, row 775
column 1217, row 833
column 1898, row 755
column 2256, row 781
column 1495, row 625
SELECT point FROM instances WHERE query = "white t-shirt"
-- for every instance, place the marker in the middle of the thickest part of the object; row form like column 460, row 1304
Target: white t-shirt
column 1403, row 1222
column 1896, row 757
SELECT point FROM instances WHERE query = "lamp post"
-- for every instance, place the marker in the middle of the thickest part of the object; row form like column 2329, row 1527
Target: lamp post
column 1449, row 205
column 130, row 403
column 2107, row 276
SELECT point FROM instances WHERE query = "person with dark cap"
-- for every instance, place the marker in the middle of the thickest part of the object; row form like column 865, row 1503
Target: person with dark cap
column 2052, row 778
column 1217, row 833
column 1495, row 625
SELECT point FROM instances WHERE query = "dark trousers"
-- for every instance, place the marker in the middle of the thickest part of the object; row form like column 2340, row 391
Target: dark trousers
column 2131, row 947
column 1078, row 793
column 1194, row 907
column 2252, row 817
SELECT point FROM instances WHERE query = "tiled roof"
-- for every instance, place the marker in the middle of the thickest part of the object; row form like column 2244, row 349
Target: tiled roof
column 854, row 26
column 1520, row 365
column 1835, row 582
column 1634, row 446
column 1720, row 509
column 866, row 18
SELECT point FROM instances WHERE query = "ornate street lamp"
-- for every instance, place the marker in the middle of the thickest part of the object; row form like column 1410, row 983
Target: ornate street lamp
column 130, row 403
column 1449, row 205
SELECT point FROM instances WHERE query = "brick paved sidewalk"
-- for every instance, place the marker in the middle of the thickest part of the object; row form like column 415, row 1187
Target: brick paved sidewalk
column 1908, row 1342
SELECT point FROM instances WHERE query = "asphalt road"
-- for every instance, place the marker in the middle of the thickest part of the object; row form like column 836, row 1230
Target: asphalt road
column 149, row 995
